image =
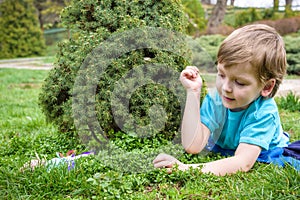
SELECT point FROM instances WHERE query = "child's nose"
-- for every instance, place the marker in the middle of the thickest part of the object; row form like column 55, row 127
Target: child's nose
column 227, row 86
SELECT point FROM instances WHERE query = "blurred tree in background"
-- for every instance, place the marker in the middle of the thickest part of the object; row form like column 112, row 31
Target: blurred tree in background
column 20, row 34
column 217, row 16
column 275, row 5
column 196, row 17
column 49, row 12
column 288, row 8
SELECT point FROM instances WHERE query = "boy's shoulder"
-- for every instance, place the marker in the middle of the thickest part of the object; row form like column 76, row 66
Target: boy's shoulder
column 262, row 102
column 262, row 107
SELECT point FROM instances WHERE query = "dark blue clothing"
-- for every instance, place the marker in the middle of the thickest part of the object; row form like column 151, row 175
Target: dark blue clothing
column 279, row 156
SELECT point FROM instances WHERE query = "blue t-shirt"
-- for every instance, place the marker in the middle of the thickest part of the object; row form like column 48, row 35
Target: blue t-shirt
column 259, row 124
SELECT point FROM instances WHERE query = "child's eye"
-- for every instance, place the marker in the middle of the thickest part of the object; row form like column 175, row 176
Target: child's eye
column 239, row 83
column 221, row 75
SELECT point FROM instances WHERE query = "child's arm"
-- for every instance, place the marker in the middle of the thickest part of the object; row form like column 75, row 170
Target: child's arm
column 243, row 160
column 194, row 133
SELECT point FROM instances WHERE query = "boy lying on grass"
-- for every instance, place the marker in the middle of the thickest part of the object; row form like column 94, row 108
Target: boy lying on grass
column 241, row 119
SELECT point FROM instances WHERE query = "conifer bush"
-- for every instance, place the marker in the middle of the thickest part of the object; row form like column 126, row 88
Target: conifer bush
column 292, row 45
column 94, row 22
column 20, row 34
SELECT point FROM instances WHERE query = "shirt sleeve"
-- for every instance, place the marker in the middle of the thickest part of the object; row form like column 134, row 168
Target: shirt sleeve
column 261, row 127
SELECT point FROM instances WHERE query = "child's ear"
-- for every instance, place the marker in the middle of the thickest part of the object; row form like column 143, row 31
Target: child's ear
column 268, row 88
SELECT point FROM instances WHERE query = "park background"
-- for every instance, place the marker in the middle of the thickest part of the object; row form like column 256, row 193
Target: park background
column 27, row 130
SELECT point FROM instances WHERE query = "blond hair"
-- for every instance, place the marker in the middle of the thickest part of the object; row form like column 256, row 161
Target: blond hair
column 261, row 46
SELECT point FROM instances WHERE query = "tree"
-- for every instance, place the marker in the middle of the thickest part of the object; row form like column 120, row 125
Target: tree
column 196, row 16
column 275, row 5
column 207, row 2
column 288, row 8
column 20, row 35
column 288, row 4
column 93, row 23
column 217, row 15
column 49, row 11
column 39, row 7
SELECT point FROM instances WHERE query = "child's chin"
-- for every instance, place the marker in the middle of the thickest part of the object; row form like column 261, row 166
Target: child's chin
column 232, row 108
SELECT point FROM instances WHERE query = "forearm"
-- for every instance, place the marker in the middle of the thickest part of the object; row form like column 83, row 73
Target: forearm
column 243, row 160
column 225, row 166
column 194, row 138
column 220, row 167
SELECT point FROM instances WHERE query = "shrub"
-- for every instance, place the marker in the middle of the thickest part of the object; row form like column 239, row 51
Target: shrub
column 283, row 26
column 287, row 25
column 246, row 16
column 93, row 22
column 196, row 16
column 20, row 35
column 291, row 102
column 292, row 46
column 268, row 13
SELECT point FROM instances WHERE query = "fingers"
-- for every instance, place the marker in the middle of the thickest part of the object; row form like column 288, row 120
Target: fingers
column 163, row 164
column 168, row 162
column 193, row 68
column 164, row 160
column 191, row 79
column 190, row 72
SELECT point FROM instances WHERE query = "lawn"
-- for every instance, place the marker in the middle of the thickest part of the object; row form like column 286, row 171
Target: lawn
column 24, row 133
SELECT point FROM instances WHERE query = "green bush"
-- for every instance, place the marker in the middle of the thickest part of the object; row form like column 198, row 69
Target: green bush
column 20, row 35
column 292, row 45
column 268, row 13
column 246, row 16
column 196, row 15
column 290, row 102
column 96, row 22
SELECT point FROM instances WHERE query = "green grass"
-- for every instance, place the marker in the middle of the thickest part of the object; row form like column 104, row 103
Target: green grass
column 24, row 131
column 49, row 60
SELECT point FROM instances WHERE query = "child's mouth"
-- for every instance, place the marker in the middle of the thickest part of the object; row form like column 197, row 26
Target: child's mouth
column 227, row 98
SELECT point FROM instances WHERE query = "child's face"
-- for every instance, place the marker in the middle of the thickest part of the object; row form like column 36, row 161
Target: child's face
column 238, row 85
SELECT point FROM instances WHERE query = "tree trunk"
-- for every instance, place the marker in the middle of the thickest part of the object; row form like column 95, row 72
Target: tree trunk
column 288, row 4
column 207, row 2
column 217, row 16
column 275, row 5
column 232, row 2
column 39, row 7
column 288, row 8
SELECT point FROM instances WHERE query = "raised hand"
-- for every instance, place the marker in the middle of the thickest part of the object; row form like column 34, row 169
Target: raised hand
column 191, row 79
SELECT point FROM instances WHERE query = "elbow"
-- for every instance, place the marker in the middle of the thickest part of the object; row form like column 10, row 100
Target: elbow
column 192, row 150
column 246, row 167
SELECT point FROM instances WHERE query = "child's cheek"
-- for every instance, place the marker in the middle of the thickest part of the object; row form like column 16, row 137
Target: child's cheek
column 219, row 84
